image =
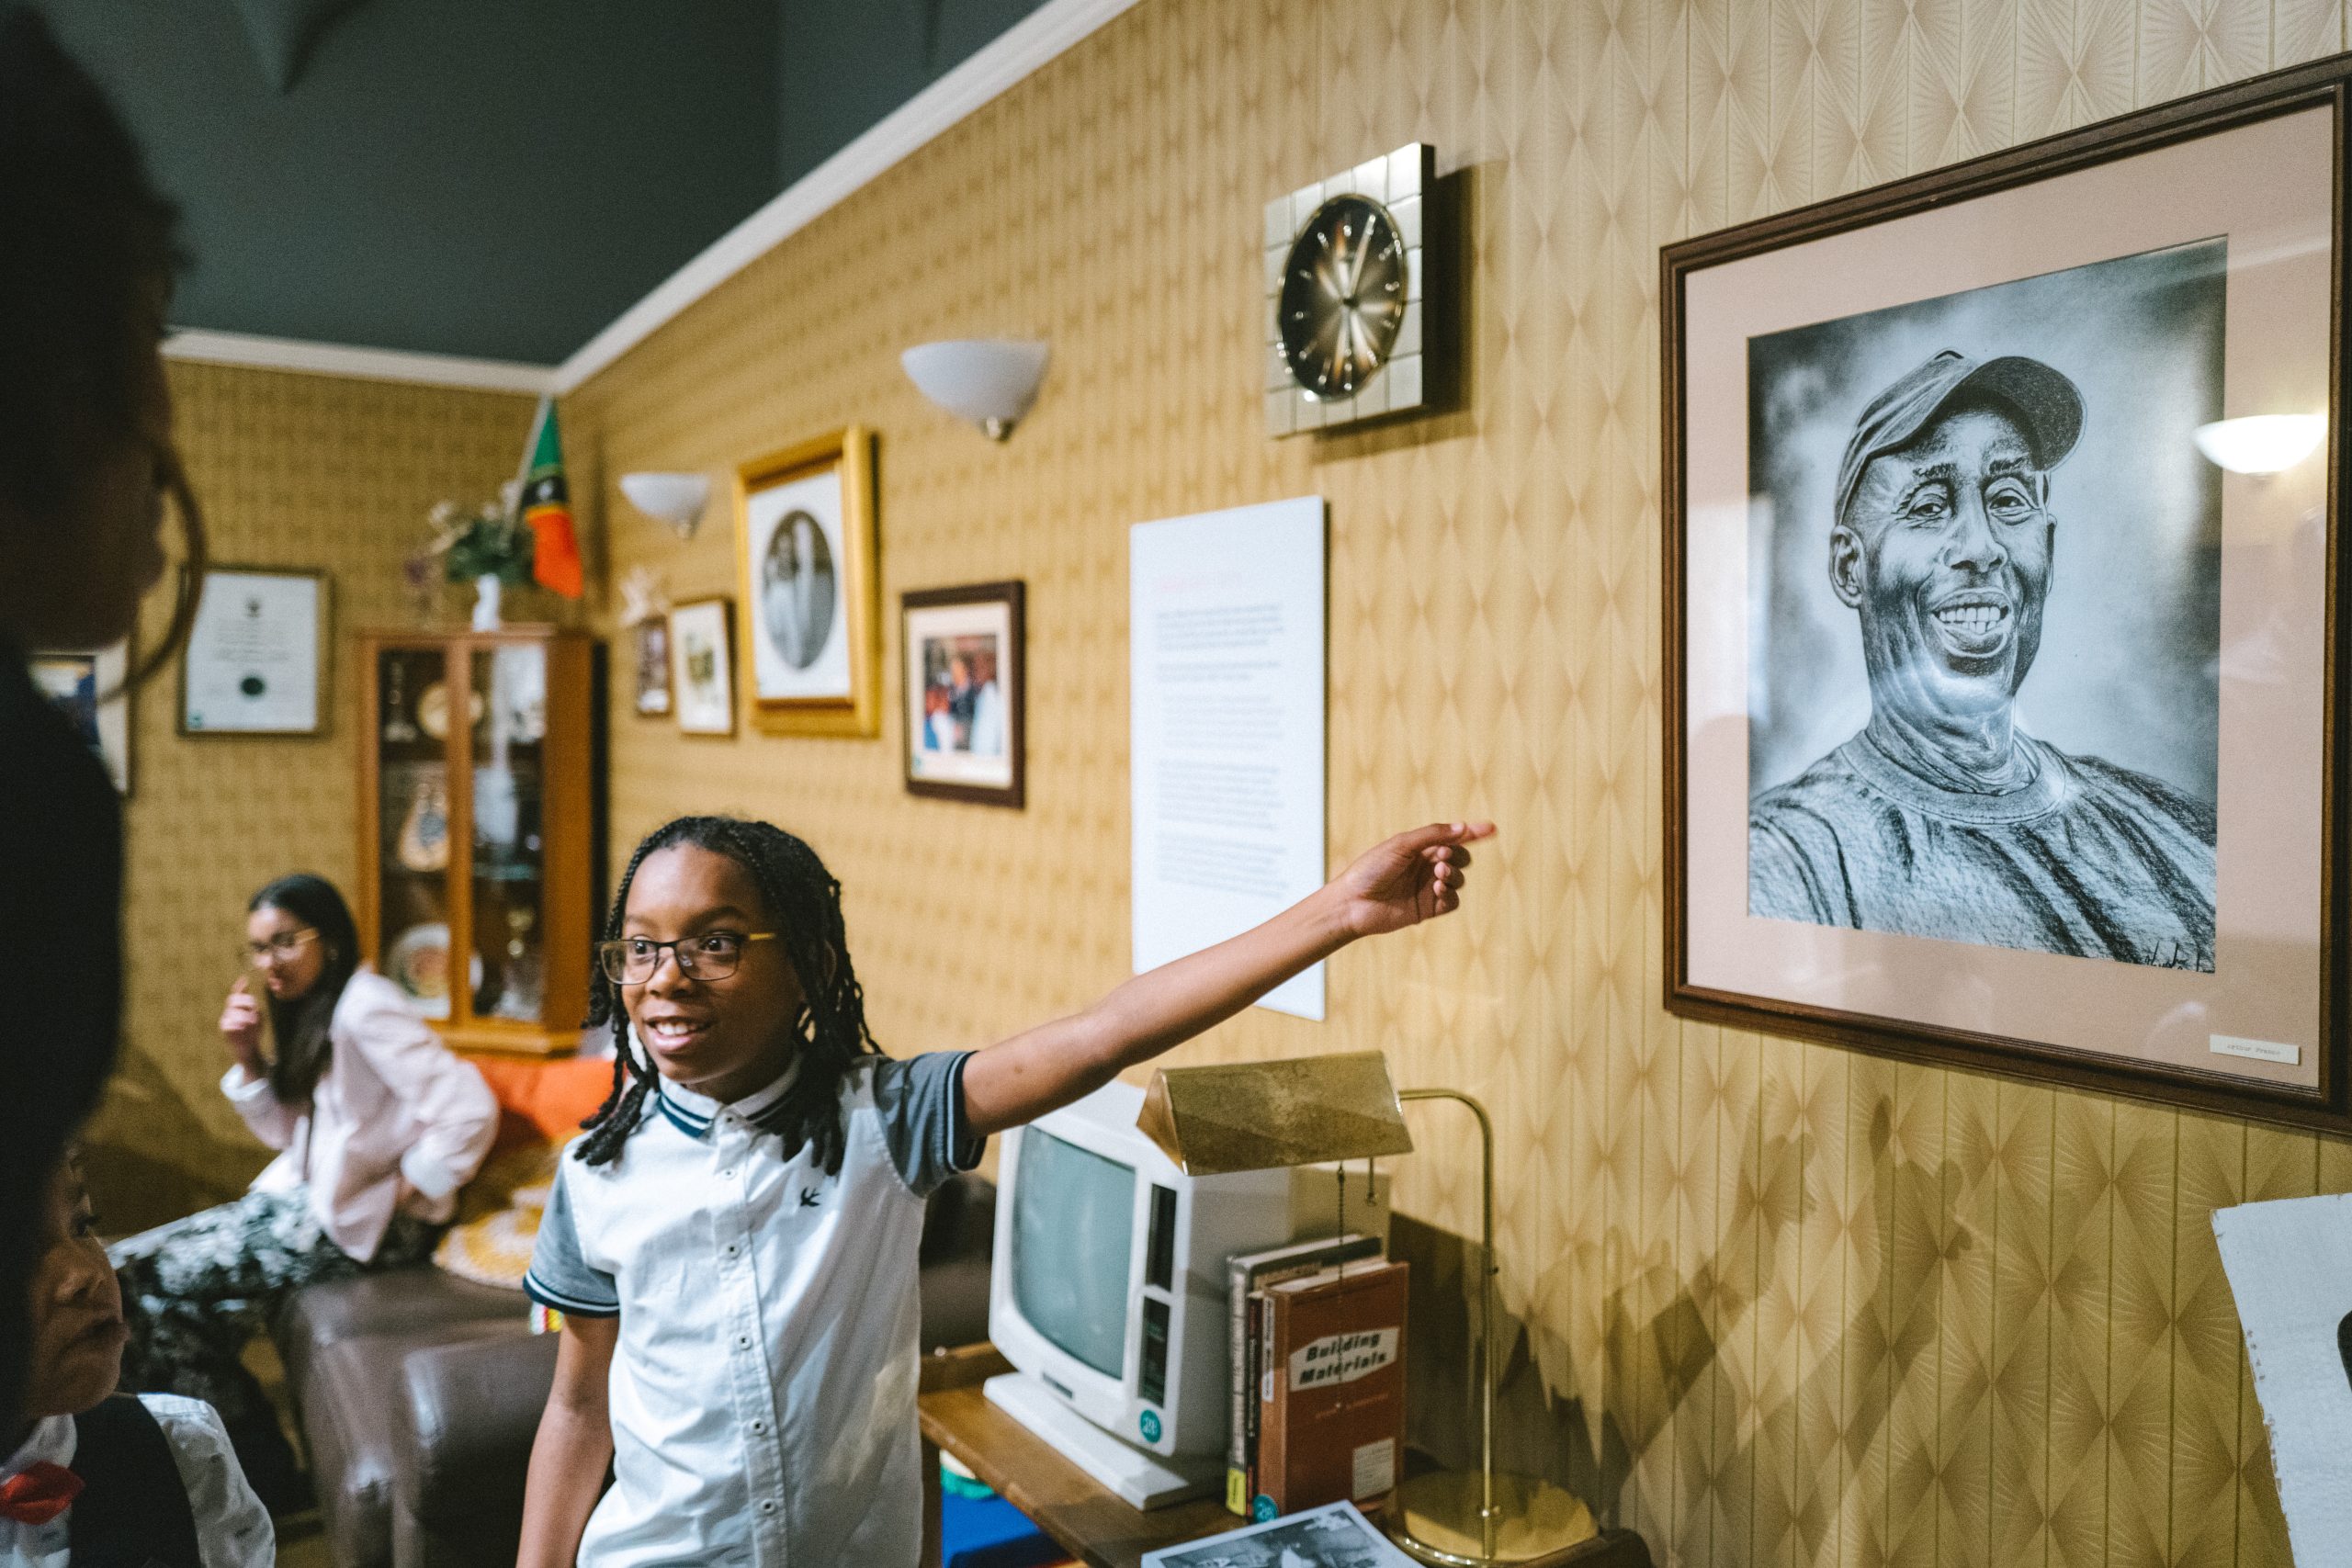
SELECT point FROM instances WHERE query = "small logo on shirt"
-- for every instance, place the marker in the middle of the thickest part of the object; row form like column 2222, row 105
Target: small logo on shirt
column 809, row 1197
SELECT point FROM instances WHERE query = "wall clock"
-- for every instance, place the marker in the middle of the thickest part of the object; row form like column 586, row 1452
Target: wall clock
column 1346, row 291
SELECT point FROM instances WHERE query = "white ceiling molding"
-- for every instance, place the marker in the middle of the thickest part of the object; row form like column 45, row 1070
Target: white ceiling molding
column 1020, row 50
column 365, row 363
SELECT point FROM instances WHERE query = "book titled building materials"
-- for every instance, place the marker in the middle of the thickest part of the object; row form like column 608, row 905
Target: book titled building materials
column 1331, row 1424
column 1248, row 1273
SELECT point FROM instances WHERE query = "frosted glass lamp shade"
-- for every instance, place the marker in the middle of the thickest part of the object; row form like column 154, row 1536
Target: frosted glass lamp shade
column 2262, row 444
column 675, row 498
column 990, row 381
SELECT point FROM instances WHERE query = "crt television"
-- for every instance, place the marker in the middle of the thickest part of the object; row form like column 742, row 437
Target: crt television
column 1108, row 1289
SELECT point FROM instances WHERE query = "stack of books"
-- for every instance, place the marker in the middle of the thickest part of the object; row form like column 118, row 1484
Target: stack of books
column 1318, row 1376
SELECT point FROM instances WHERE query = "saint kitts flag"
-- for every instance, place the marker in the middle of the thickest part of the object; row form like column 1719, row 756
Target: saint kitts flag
column 547, row 507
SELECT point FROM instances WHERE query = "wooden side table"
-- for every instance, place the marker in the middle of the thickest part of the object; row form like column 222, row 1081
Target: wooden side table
column 1090, row 1521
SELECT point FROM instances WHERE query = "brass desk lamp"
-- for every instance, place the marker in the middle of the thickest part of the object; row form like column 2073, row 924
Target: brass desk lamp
column 1320, row 1109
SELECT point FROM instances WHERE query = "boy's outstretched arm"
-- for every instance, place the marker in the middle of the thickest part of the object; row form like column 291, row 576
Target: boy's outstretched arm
column 1413, row 878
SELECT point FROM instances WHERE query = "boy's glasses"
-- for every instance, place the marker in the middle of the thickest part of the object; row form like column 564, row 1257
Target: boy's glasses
column 281, row 948
column 713, row 955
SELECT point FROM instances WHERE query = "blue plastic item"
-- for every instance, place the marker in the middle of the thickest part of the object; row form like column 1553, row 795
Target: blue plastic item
column 989, row 1532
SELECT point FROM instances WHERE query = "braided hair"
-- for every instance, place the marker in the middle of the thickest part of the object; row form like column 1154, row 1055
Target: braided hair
column 804, row 901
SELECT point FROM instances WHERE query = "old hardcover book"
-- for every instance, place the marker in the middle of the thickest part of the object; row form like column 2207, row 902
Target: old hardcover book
column 1247, row 1273
column 1331, row 1426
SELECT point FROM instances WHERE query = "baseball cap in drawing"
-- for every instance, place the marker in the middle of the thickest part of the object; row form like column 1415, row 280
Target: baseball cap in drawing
column 2044, row 400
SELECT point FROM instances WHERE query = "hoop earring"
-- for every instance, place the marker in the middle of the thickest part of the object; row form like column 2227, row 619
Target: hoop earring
column 173, row 475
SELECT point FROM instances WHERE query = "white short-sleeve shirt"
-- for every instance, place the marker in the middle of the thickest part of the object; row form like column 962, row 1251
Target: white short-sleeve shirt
column 232, row 1530
column 762, row 1392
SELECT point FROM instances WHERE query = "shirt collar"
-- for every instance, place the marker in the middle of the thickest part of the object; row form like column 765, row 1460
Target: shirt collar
column 692, row 1113
column 52, row 1439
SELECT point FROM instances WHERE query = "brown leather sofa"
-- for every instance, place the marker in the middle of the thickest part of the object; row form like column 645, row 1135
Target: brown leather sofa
column 418, row 1394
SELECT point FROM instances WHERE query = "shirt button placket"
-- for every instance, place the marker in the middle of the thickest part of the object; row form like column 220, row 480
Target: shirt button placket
column 762, row 1452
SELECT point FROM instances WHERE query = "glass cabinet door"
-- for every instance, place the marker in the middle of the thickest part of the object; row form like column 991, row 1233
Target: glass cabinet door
column 412, row 851
column 508, row 972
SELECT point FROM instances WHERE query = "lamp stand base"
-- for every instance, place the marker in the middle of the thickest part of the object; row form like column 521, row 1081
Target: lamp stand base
column 1434, row 1519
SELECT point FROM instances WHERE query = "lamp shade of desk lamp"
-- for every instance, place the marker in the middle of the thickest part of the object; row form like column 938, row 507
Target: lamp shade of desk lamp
column 1318, row 1109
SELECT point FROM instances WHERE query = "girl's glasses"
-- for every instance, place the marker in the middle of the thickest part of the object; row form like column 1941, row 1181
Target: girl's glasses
column 713, row 955
column 281, row 948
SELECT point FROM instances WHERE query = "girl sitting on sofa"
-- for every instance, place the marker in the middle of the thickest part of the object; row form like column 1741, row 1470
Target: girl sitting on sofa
column 93, row 1481
column 377, row 1124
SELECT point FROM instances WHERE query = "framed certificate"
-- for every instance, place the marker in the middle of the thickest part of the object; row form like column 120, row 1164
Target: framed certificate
column 255, row 655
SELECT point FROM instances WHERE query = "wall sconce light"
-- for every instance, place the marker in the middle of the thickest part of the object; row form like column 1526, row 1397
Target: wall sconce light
column 2262, row 444
column 675, row 498
column 990, row 381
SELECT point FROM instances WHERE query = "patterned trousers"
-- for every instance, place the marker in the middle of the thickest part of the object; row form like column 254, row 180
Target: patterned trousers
column 196, row 1291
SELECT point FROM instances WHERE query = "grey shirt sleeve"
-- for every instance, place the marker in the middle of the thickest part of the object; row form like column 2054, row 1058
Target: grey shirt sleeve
column 921, row 1104
column 560, row 1277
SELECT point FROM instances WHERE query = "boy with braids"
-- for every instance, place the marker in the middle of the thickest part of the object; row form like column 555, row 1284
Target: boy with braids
column 732, row 1245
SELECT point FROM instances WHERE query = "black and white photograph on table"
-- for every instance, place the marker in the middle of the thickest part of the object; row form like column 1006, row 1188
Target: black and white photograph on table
column 804, row 549
column 2001, row 660
column 1334, row 1536
column 1985, row 691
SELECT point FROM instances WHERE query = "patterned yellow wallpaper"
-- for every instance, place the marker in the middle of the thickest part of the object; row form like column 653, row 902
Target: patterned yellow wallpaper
column 1774, row 1303
column 294, row 470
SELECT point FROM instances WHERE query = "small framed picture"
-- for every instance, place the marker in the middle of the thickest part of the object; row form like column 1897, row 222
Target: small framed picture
column 256, row 654
column 701, row 671
column 88, row 688
column 804, row 547
column 650, row 640
column 964, row 681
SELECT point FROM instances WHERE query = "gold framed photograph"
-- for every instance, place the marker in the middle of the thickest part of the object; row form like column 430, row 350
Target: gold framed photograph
column 805, row 554
column 701, row 675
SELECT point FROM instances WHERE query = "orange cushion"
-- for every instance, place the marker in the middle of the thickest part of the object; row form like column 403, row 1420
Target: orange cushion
column 544, row 1101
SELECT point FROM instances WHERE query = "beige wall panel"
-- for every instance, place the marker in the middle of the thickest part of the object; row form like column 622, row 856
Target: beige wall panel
column 1768, row 1302
column 318, row 473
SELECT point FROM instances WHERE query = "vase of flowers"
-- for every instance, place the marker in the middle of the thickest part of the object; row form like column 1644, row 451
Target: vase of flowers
column 486, row 545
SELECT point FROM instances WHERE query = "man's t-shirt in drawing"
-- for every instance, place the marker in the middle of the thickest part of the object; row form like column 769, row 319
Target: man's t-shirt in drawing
column 2087, row 858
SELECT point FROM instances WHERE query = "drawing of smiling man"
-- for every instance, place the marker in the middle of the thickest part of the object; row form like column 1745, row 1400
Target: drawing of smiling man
column 1942, row 817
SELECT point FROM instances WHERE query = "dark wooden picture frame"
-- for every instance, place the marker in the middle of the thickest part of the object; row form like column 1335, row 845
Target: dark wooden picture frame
column 1004, row 613
column 1710, row 501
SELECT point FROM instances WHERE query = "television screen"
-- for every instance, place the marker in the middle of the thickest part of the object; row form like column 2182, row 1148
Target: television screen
column 1073, row 1219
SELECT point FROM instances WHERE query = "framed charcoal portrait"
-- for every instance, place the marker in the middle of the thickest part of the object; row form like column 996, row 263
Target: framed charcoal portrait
column 2001, row 621
column 805, row 554
column 965, row 693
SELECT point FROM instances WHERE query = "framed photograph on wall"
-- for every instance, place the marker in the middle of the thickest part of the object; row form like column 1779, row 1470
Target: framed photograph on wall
column 256, row 655
column 702, row 674
column 2004, row 719
column 649, row 643
column 80, row 684
column 965, row 691
column 805, row 556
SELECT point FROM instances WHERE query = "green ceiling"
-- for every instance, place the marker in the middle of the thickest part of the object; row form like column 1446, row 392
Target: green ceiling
column 493, row 178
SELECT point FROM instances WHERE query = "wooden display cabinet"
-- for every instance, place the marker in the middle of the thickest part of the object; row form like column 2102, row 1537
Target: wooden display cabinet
column 477, row 829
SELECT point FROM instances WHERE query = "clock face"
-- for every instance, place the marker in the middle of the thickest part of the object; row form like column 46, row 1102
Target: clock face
column 1342, row 296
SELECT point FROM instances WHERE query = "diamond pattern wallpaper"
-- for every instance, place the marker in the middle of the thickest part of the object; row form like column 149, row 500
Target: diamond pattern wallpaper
column 318, row 473
column 1770, row 1304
